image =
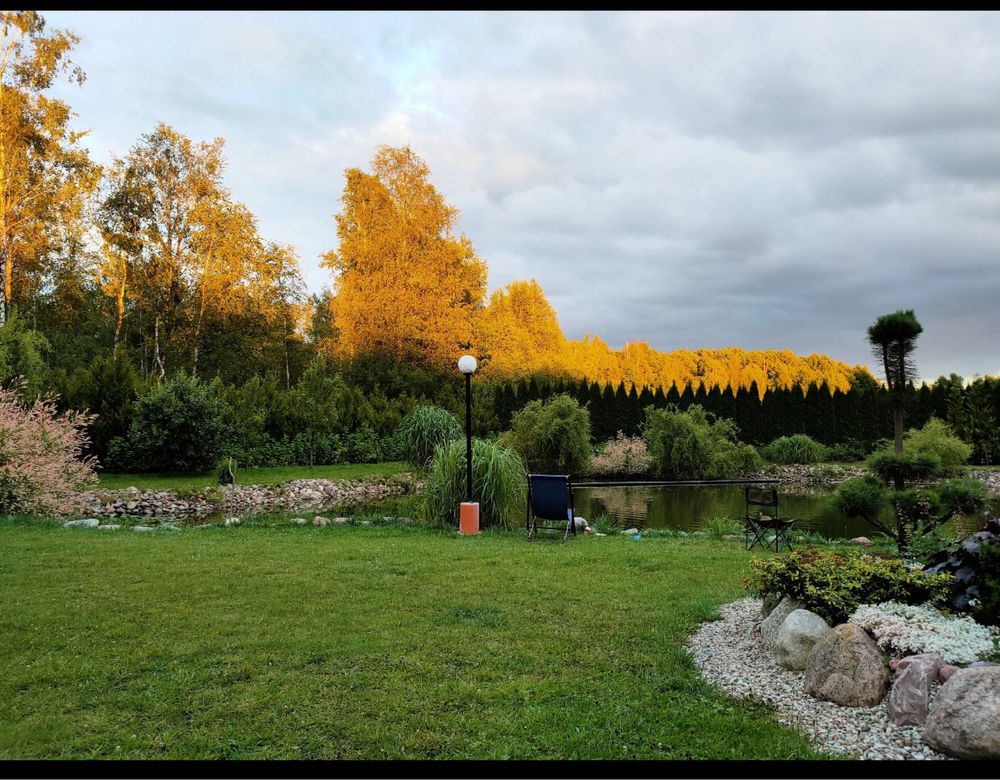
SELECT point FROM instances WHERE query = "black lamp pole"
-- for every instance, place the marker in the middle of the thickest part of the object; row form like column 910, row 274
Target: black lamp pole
column 468, row 437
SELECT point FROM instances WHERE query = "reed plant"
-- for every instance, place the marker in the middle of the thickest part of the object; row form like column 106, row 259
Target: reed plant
column 499, row 484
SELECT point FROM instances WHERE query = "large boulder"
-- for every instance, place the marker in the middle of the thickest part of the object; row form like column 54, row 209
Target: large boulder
column 88, row 522
column 847, row 668
column 912, row 687
column 801, row 630
column 772, row 623
column 964, row 719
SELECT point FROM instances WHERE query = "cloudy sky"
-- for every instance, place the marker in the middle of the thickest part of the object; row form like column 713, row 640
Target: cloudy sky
column 761, row 180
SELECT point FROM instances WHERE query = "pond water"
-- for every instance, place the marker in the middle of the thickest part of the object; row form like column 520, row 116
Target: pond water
column 690, row 507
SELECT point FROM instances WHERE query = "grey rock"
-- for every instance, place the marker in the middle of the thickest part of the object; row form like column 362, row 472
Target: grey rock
column 772, row 623
column 298, row 521
column 912, row 687
column 964, row 719
column 771, row 600
column 847, row 668
column 109, row 527
column 631, row 531
column 230, row 521
column 87, row 522
column 339, row 520
column 945, row 671
column 864, row 541
column 143, row 528
column 320, row 521
column 798, row 633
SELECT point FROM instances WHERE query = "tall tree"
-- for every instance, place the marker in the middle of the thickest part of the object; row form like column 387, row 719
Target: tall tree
column 405, row 284
column 176, row 181
column 893, row 338
column 45, row 174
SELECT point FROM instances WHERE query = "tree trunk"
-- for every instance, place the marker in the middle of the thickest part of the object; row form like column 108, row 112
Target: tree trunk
column 157, row 357
column 120, row 315
column 897, row 420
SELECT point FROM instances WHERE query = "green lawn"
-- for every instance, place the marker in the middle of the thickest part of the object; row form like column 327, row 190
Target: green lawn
column 257, row 476
column 355, row 642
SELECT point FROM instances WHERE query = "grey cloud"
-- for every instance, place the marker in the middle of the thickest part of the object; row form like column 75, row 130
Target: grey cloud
column 764, row 180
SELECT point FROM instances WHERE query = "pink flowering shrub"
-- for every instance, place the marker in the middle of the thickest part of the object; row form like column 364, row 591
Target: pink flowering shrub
column 41, row 463
column 622, row 455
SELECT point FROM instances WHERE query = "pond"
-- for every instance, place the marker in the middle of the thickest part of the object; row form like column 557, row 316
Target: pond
column 690, row 507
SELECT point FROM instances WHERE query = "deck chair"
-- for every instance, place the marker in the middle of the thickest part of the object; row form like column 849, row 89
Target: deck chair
column 550, row 500
column 757, row 526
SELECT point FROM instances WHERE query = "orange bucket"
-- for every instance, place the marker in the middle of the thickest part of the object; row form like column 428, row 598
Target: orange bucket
column 468, row 518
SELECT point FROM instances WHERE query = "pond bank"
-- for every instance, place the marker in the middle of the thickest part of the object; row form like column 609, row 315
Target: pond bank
column 296, row 495
column 829, row 475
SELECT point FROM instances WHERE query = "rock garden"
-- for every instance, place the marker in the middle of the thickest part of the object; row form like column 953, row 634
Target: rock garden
column 872, row 656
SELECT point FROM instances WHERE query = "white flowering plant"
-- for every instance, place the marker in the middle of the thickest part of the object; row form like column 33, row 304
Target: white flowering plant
column 908, row 630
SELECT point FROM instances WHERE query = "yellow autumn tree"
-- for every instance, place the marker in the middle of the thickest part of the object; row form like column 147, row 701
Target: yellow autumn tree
column 518, row 331
column 405, row 284
column 45, row 174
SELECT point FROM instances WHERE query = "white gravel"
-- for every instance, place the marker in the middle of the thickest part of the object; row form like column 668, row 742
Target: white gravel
column 730, row 654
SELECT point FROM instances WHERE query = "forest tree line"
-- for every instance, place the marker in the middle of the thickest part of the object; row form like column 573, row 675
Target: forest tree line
column 120, row 278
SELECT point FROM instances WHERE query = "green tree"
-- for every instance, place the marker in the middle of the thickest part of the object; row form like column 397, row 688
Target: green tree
column 893, row 338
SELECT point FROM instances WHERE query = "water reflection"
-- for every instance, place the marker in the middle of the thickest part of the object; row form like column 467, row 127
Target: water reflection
column 690, row 507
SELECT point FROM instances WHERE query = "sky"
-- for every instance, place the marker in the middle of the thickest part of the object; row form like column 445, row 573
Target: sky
column 694, row 180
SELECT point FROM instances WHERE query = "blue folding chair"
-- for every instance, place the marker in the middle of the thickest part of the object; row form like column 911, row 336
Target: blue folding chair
column 550, row 499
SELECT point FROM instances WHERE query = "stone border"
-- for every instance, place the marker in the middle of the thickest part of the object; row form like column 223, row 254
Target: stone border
column 730, row 654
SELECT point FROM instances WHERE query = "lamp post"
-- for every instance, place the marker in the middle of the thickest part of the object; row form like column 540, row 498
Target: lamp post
column 469, row 511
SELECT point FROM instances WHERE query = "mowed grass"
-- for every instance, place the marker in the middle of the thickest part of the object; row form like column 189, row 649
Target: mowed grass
column 254, row 476
column 355, row 642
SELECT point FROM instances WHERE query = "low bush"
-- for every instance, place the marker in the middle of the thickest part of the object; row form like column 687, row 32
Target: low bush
column 976, row 583
column 834, row 584
column 904, row 466
column 795, row 449
column 694, row 444
column 904, row 629
column 552, row 437
column 424, row 429
column 499, row 484
column 41, row 456
column 176, row 428
column 937, row 440
column 850, row 450
column 622, row 455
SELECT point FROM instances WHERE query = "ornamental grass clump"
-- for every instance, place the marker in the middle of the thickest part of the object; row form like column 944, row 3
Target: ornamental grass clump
column 42, row 467
column 624, row 455
column 798, row 448
column 424, row 429
column 835, row 584
column 906, row 629
column 499, row 484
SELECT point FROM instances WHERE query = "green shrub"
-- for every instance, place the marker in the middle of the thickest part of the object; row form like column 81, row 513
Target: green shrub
column 553, row 437
column 695, row 445
column 846, row 451
column 905, row 467
column 987, row 611
column 796, row 449
column 424, row 429
column 833, row 584
column 177, row 427
column 499, row 484
column 937, row 440
column 363, row 446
